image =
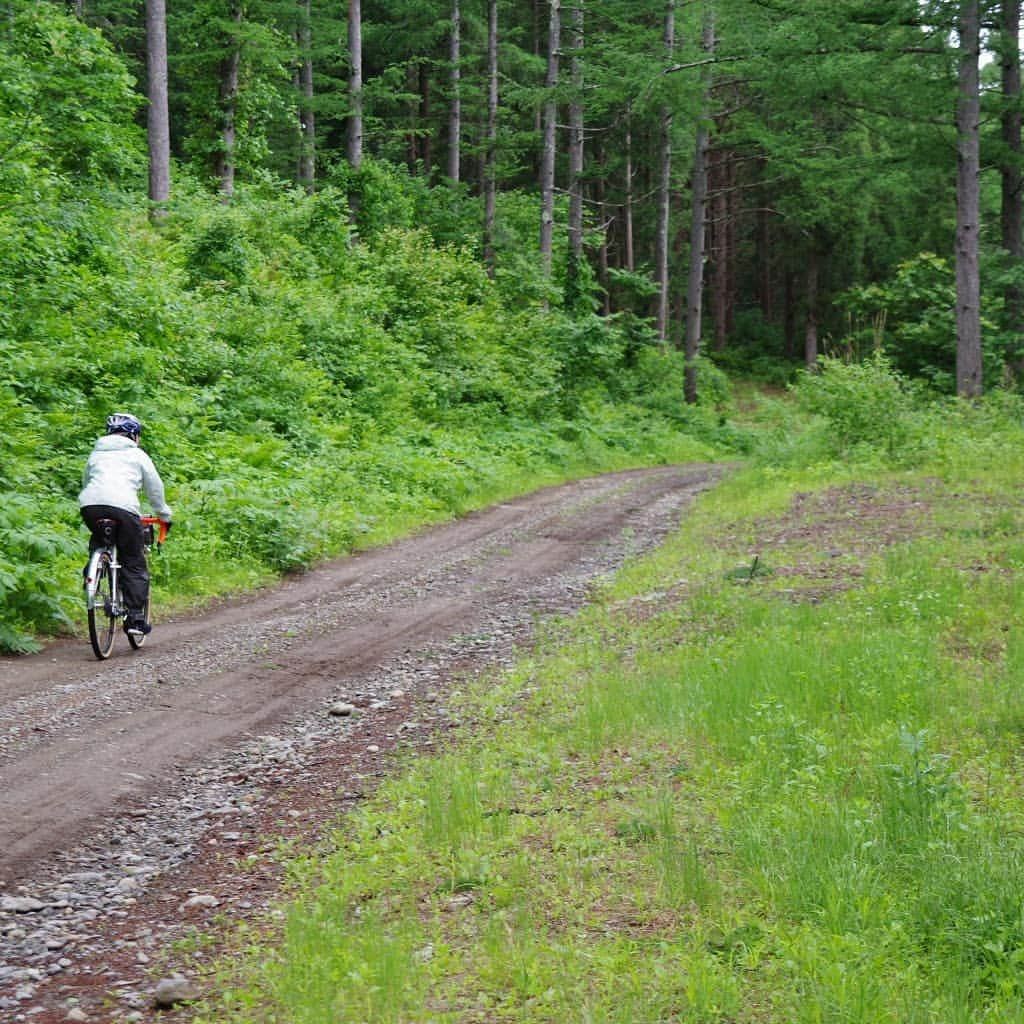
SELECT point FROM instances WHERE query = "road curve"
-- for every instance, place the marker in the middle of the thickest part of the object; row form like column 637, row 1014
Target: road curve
column 81, row 740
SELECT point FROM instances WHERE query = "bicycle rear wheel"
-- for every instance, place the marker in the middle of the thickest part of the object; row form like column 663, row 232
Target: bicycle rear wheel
column 138, row 639
column 102, row 621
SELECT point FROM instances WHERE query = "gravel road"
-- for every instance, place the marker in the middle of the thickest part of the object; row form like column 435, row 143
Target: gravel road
column 132, row 791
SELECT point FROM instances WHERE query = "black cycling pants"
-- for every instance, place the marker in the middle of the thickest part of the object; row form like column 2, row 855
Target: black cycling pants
column 131, row 552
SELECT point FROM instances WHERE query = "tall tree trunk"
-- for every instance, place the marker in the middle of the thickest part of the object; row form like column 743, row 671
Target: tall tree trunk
column 158, row 124
column 968, row 203
column 354, row 150
column 813, row 278
column 698, row 219
column 547, row 166
column 627, row 212
column 664, row 189
column 1012, row 209
column 228, row 91
column 765, row 291
column 455, row 110
column 602, row 252
column 764, row 249
column 790, row 348
column 491, row 153
column 307, row 120
column 576, row 156
column 719, row 248
column 732, row 216
column 540, row 18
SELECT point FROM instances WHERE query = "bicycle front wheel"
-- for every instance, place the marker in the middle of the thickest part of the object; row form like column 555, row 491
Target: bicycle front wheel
column 102, row 621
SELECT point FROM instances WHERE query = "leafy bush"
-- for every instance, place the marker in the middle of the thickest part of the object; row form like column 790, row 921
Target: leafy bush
column 912, row 319
column 867, row 404
column 31, row 597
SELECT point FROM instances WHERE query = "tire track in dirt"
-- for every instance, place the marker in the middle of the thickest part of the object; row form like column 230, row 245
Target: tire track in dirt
column 87, row 746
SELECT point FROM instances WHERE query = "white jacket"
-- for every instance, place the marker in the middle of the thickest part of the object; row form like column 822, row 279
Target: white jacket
column 116, row 470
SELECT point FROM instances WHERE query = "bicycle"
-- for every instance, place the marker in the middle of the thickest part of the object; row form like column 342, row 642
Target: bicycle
column 103, row 600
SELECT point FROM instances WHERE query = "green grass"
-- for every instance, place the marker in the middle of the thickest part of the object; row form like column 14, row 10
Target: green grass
column 791, row 797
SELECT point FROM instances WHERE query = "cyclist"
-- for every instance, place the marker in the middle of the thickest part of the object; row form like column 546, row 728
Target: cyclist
column 115, row 472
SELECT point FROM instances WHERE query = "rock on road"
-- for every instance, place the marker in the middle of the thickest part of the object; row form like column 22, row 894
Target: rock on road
column 114, row 775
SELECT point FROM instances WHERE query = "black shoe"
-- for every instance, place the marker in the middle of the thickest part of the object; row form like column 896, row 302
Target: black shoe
column 137, row 627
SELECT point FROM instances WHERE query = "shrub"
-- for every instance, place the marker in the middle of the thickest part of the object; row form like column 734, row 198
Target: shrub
column 864, row 404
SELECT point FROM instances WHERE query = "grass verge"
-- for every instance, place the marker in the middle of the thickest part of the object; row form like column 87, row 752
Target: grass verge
column 773, row 774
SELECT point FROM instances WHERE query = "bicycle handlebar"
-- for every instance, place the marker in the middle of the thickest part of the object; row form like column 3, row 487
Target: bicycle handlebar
column 152, row 521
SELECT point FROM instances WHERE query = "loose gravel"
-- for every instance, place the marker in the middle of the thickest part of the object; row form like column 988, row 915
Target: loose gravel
column 85, row 933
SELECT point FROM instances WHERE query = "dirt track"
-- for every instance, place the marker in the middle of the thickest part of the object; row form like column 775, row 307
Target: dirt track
column 90, row 752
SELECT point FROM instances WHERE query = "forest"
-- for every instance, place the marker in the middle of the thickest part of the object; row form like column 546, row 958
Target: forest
column 360, row 266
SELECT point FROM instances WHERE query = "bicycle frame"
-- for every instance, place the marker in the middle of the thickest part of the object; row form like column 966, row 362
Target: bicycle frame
column 93, row 574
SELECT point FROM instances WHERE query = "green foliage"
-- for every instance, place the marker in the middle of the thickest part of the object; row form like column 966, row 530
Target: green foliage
column 863, row 404
column 65, row 100
column 30, row 595
column 219, row 253
column 378, row 194
column 302, row 394
column 910, row 317
column 756, row 351
column 870, row 413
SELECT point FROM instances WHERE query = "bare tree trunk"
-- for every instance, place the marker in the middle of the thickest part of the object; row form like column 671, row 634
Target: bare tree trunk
column 765, row 296
column 811, row 323
column 158, row 118
column 1012, row 209
column 664, row 190
column 791, row 350
column 718, row 247
column 547, row 167
column 765, row 252
column 307, row 121
column 228, row 90
column 698, row 218
column 355, row 83
column 538, row 50
column 628, row 204
column 602, row 252
column 491, row 155
column 576, row 154
column 732, row 215
column 968, row 203
column 455, row 111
